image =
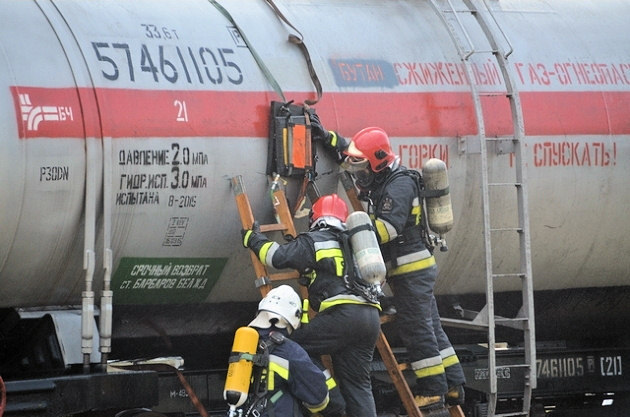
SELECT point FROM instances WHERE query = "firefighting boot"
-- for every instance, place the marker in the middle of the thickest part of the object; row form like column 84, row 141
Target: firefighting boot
column 455, row 395
column 429, row 403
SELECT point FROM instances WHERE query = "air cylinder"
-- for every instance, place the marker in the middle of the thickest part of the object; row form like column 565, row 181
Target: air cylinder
column 438, row 199
column 240, row 368
column 365, row 249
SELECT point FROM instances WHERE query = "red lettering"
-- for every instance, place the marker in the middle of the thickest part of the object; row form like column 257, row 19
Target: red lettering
column 413, row 156
column 551, row 154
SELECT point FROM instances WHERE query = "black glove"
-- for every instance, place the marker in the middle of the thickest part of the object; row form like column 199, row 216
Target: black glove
column 247, row 234
column 318, row 133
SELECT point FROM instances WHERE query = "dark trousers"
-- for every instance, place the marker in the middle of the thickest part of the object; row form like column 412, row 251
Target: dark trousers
column 420, row 329
column 347, row 333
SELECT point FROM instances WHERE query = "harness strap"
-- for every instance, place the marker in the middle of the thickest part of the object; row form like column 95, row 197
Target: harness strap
column 361, row 228
column 348, row 273
column 261, row 396
column 256, row 359
column 434, row 193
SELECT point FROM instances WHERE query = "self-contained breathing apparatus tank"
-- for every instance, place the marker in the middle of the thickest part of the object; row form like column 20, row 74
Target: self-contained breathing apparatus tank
column 438, row 200
column 240, row 368
column 365, row 248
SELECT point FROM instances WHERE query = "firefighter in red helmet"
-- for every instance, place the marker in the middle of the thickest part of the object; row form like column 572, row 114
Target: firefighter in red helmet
column 347, row 324
column 395, row 206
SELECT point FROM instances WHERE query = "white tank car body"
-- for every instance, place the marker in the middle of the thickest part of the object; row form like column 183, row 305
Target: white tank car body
column 149, row 108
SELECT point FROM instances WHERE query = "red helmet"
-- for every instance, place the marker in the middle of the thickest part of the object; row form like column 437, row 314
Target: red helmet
column 329, row 206
column 372, row 143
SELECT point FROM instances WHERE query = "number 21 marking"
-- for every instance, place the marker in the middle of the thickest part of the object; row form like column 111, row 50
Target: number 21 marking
column 182, row 112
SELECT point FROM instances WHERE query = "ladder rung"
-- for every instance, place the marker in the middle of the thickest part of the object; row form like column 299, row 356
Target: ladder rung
column 465, row 324
column 281, row 276
column 456, row 11
column 495, row 93
column 485, row 51
column 500, row 138
column 504, row 184
column 513, row 414
column 507, row 320
column 519, row 324
column 507, row 229
column 516, row 365
column 510, row 275
column 273, row 227
column 492, row 93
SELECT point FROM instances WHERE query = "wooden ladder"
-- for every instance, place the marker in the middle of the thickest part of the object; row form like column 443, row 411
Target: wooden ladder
column 264, row 280
column 394, row 369
column 285, row 225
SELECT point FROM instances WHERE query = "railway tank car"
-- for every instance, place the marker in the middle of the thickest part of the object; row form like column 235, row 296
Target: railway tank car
column 123, row 123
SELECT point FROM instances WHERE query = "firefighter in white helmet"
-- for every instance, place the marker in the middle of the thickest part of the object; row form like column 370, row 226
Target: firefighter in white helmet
column 292, row 382
column 347, row 324
column 395, row 206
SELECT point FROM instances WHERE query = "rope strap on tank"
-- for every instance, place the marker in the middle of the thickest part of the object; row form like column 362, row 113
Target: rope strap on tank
column 299, row 42
column 268, row 75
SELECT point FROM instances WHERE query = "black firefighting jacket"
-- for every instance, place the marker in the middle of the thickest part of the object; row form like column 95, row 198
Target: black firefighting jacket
column 291, row 378
column 395, row 207
column 319, row 257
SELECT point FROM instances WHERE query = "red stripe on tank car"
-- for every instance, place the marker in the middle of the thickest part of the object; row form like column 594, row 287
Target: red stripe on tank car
column 125, row 113
column 453, row 114
column 561, row 113
column 159, row 113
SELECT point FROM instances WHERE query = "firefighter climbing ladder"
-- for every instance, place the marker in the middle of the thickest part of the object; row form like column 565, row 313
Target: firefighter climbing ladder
column 394, row 369
column 264, row 280
column 524, row 320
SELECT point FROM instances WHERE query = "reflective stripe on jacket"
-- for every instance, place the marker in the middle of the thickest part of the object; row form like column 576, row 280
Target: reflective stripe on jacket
column 397, row 215
column 317, row 255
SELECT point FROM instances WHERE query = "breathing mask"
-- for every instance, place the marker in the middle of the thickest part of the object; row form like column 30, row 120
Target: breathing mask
column 360, row 169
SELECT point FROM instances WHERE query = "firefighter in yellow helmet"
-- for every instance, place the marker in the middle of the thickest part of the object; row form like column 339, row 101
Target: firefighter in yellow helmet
column 395, row 206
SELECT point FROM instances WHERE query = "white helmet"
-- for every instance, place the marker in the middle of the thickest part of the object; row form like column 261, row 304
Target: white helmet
column 280, row 307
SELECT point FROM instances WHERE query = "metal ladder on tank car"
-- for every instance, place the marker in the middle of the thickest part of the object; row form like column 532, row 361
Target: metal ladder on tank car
column 264, row 281
column 524, row 319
